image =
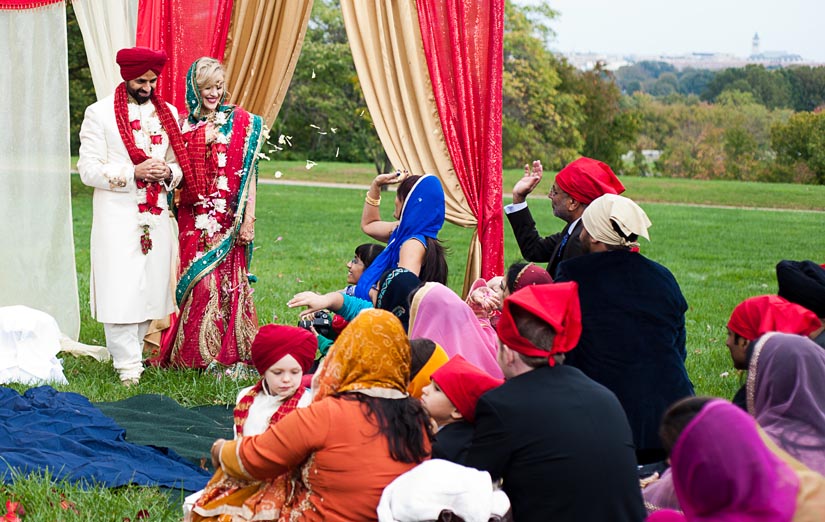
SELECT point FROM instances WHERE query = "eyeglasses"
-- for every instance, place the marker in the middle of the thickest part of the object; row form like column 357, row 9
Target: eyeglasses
column 355, row 261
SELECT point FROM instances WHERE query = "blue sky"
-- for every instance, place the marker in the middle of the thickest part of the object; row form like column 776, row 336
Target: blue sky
column 676, row 27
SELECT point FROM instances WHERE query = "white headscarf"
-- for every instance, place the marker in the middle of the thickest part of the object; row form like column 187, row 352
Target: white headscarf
column 629, row 217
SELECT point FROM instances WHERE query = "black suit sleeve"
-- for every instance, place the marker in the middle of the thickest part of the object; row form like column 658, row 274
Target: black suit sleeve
column 533, row 247
column 490, row 450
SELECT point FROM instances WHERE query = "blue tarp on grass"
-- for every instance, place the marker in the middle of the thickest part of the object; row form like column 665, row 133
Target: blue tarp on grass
column 64, row 433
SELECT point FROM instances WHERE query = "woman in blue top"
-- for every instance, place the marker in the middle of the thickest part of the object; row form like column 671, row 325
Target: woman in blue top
column 412, row 241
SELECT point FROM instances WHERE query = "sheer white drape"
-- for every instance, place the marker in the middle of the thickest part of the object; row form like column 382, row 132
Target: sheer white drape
column 37, row 247
column 107, row 26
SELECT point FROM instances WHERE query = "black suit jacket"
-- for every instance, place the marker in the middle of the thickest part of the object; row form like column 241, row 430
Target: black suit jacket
column 543, row 249
column 452, row 442
column 563, row 446
column 633, row 335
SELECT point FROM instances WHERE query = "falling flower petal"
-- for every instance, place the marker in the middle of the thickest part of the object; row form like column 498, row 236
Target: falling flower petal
column 336, row 151
column 333, row 129
column 315, row 126
column 313, row 73
column 310, row 164
column 278, row 174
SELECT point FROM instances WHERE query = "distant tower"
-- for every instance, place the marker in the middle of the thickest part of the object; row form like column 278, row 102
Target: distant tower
column 755, row 45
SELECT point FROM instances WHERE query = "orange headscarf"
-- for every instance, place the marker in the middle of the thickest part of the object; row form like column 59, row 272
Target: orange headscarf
column 371, row 356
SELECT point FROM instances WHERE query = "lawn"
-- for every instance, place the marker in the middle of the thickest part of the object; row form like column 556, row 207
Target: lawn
column 305, row 235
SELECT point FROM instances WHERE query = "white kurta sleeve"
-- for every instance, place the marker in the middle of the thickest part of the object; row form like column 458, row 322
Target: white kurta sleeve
column 94, row 165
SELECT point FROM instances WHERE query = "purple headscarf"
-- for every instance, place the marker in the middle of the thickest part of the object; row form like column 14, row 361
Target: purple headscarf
column 723, row 472
column 786, row 395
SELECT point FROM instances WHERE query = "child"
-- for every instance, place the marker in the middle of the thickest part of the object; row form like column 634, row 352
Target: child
column 281, row 354
column 451, row 399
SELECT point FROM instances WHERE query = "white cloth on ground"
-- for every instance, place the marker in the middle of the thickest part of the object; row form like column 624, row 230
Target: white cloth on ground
column 435, row 485
column 29, row 342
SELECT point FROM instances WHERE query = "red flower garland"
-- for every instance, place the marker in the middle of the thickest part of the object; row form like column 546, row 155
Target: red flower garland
column 126, row 127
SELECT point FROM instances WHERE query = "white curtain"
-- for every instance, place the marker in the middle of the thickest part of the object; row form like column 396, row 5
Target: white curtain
column 37, row 253
column 107, row 26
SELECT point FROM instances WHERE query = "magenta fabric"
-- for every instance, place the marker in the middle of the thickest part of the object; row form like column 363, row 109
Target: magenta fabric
column 463, row 43
column 666, row 515
column 723, row 472
column 186, row 30
column 440, row 315
column 786, row 395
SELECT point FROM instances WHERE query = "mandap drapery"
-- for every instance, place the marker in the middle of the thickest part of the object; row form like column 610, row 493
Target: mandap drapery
column 399, row 85
column 186, row 30
column 107, row 27
column 463, row 42
column 35, row 202
column 263, row 46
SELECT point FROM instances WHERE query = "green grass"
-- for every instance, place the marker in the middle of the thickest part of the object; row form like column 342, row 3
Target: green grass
column 305, row 235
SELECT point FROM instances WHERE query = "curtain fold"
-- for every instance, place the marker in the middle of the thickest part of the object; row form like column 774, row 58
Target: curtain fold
column 463, row 43
column 35, row 201
column 263, row 46
column 107, row 26
column 389, row 57
column 186, row 30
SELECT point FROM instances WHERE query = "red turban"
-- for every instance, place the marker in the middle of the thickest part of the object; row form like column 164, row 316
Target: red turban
column 586, row 179
column 756, row 316
column 464, row 384
column 532, row 275
column 275, row 341
column 556, row 305
column 134, row 62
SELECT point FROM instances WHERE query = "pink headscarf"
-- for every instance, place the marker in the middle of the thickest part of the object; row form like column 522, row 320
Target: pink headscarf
column 723, row 472
column 786, row 395
column 439, row 314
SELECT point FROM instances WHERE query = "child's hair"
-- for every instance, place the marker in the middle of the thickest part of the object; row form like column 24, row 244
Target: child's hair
column 677, row 417
column 421, row 350
column 367, row 253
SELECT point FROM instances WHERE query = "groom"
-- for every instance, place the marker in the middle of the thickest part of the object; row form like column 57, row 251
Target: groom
column 132, row 153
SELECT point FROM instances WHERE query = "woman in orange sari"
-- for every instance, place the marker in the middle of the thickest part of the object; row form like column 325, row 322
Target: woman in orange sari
column 361, row 431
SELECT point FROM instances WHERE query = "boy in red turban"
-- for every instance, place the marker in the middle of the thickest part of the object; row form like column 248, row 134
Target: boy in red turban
column 451, row 399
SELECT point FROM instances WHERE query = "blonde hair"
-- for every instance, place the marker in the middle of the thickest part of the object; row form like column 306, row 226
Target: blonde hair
column 210, row 71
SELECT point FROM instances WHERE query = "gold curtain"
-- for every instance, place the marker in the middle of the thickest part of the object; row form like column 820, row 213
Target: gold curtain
column 385, row 39
column 263, row 46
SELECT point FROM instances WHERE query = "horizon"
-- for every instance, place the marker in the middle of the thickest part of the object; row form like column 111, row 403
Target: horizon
column 655, row 28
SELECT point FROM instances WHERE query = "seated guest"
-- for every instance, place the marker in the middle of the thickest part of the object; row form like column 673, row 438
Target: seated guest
column 361, row 431
column 560, row 441
column 281, row 354
column 633, row 319
column 574, row 187
column 412, row 240
column 756, row 316
column 365, row 254
column 803, row 283
column 427, row 357
column 723, row 470
column 441, row 490
column 450, row 399
column 786, row 395
column 438, row 313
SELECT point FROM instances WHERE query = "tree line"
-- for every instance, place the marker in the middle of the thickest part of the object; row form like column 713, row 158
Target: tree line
column 748, row 123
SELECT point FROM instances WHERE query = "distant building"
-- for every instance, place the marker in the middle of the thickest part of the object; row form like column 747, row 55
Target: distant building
column 755, row 44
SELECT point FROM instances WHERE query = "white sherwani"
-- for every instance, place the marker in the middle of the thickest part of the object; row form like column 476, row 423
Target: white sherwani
column 126, row 285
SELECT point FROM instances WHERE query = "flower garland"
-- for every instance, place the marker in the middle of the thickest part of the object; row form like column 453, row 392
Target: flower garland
column 134, row 139
column 211, row 214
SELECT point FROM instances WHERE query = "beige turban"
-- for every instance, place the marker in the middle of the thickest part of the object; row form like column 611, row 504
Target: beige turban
column 628, row 216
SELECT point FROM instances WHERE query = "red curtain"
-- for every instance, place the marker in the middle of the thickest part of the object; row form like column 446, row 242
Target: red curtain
column 20, row 5
column 463, row 42
column 186, row 30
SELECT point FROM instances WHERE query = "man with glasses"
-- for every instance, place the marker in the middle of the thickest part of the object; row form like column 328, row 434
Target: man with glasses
column 575, row 186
